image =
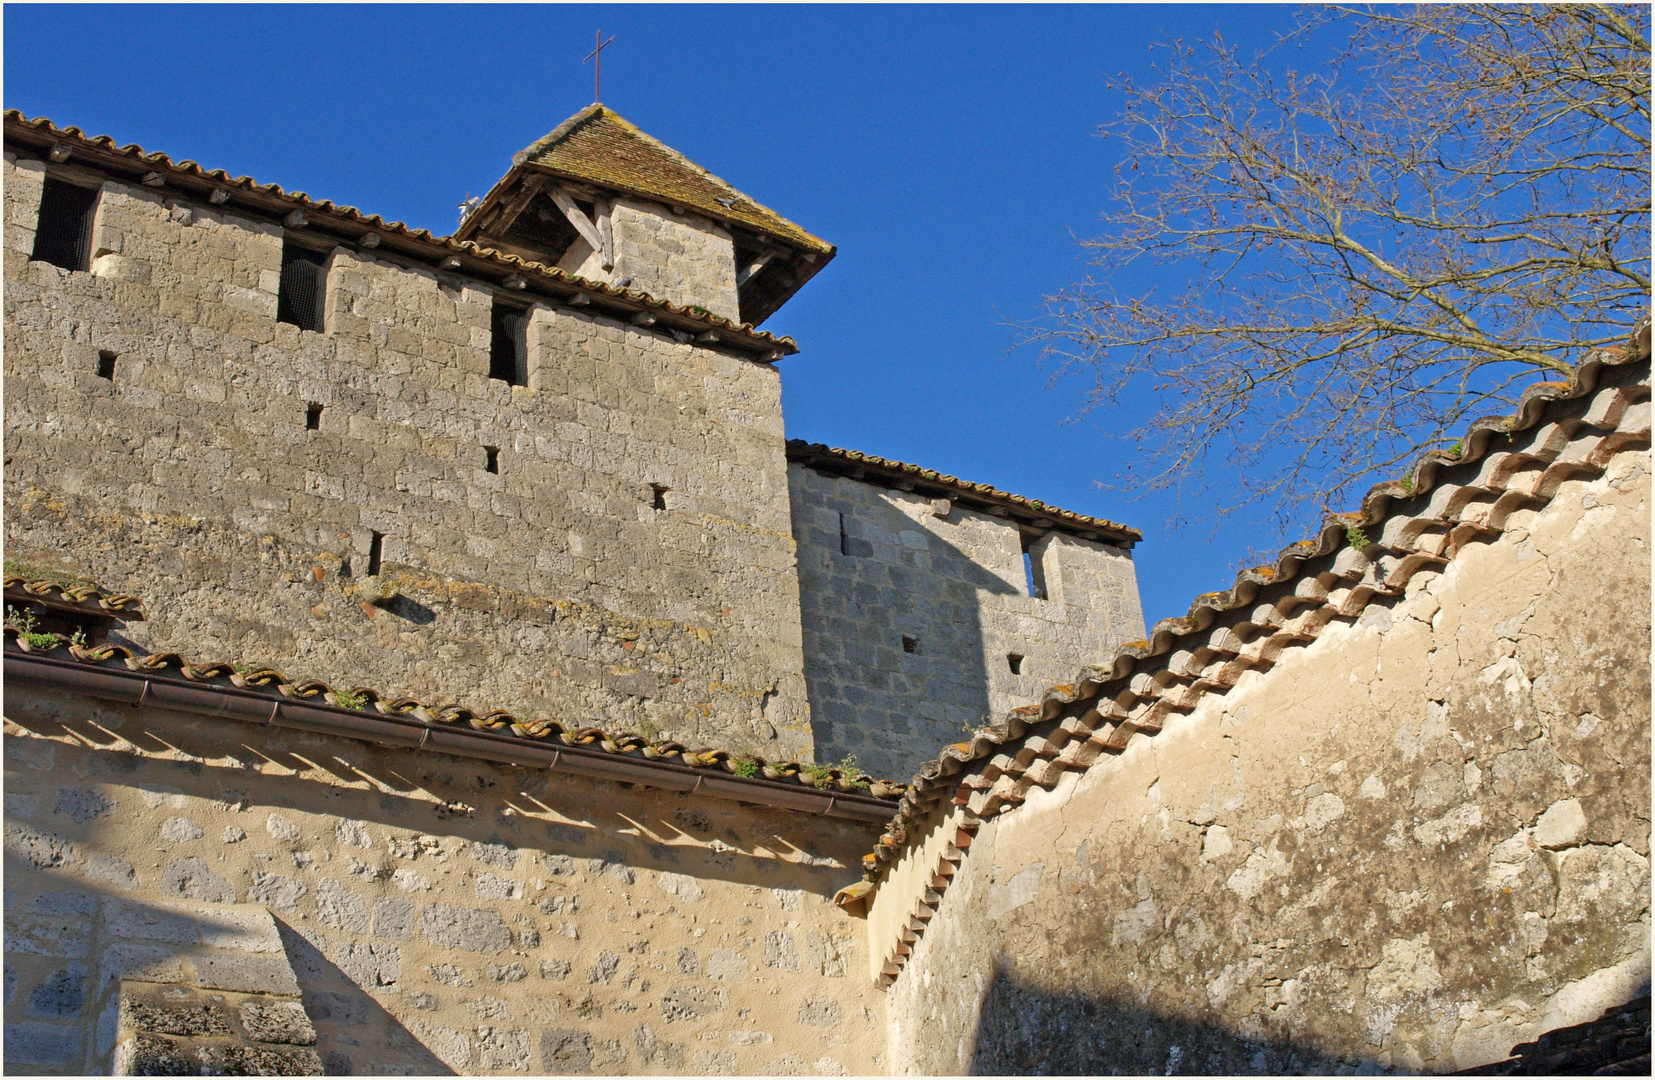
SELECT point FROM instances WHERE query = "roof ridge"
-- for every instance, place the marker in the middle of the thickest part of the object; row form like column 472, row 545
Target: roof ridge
column 810, row 454
column 931, row 785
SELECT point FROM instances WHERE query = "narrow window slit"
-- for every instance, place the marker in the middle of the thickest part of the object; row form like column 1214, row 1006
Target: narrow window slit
column 493, row 463
column 844, row 538
column 375, row 546
column 508, row 345
column 1015, row 662
column 313, row 417
column 1034, row 570
column 106, row 364
column 659, row 496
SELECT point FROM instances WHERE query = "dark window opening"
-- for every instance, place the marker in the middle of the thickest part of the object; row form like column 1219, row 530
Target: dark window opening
column 1034, row 570
column 508, row 345
column 375, row 546
column 910, row 644
column 106, row 364
column 660, row 496
column 304, row 280
column 313, row 417
column 63, row 236
column 493, row 463
column 1015, row 662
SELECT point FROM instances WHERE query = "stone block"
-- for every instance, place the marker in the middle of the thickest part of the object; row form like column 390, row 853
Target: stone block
column 48, row 935
column 278, row 1022
column 247, row 974
column 42, row 1044
column 479, row 930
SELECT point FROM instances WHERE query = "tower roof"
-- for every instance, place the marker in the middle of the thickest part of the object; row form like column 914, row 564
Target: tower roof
column 597, row 148
column 600, row 147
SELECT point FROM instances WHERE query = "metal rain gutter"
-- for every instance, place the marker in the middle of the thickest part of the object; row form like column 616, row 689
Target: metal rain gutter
column 145, row 690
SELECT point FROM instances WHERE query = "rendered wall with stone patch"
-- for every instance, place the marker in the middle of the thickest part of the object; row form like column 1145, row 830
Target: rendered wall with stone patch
column 877, row 565
column 438, row 913
column 553, row 585
column 1418, row 841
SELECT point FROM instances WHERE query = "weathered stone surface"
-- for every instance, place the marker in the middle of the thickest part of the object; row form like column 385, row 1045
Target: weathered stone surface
column 1412, row 844
column 278, row 1022
column 911, row 619
column 479, row 930
column 192, row 879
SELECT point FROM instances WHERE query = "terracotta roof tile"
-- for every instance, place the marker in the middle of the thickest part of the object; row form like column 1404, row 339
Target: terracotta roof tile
column 889, row 473
column 1138, row 690
column 85, row 599
column 498, row 721
column 599, row 146
column 101, row 150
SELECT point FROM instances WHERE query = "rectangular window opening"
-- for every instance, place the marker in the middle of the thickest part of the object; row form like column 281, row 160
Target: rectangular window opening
column 910, row 644
column 313, row 417
column 106, row 364
column 508, row 345
column 1034, row 572
column 375, row 547
column 1015, row 662
column 493, row 463
column 63, row 235
column 659, row 496
column 304, row 280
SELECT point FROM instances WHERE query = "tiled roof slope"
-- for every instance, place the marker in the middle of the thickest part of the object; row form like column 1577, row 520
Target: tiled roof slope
column 274, row 684
column 1561, row 431
column 245, row 194
column 900, row 474
column 85, row 599
column 599, row 146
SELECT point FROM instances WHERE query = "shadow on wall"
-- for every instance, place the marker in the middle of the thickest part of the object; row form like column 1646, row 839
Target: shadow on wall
column 353, row 1031
column 1024, row 1030
column 609, row 841
column 893, row 632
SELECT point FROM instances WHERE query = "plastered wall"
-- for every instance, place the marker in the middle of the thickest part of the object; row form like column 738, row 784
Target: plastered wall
column 878, row 565
column 1409, row 846
column 554, row 585
column 438, row 914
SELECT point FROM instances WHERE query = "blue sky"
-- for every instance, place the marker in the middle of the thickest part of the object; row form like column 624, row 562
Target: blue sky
column 949, row 152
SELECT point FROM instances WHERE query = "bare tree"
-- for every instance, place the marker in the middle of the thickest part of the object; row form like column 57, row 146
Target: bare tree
column 1376, row 251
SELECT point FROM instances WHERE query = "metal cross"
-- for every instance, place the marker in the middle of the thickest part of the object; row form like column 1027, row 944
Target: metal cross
column 597, row 67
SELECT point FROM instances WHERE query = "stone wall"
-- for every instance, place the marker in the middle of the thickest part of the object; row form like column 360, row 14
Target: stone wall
column 438, row 913
column 913, row 608
column 682, row 258
column 553, row 584
column 1410, row 845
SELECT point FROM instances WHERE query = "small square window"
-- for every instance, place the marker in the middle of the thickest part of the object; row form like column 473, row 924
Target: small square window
column 106, row 364
column 304, row 280
column 659, row 494
column 313, row 417
column 63, row 234
column 910, row 644
column 1015, row 662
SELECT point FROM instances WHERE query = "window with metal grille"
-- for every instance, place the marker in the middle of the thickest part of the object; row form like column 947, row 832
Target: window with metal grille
column 304, row 277
column 508, row 345
column 64, row 235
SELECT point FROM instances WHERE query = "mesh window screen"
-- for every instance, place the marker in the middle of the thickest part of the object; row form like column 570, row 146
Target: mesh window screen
column 64, row 235
column 304, row 273
column 506, row 346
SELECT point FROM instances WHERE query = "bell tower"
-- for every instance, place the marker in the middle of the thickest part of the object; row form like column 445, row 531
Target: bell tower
column 600, row 199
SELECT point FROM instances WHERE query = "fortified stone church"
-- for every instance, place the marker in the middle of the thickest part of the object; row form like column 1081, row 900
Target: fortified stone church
column 429, row 655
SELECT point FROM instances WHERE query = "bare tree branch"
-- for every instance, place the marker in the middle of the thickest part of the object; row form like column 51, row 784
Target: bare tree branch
column 1376, row 251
